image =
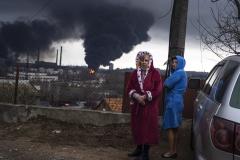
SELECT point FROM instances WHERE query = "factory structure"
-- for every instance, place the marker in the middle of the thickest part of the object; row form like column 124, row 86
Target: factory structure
column 41, row 70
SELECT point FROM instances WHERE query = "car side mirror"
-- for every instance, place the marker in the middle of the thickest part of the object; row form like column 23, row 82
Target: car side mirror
column 194, row 83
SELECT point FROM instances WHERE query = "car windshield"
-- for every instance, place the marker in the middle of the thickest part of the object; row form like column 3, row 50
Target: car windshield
column 235, row 98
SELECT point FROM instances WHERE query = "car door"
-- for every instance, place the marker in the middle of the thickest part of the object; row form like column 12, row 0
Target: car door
column 203, row 105
column 215, row 101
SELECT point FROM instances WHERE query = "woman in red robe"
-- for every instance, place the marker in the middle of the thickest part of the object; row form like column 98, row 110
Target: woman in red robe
column 144, row 88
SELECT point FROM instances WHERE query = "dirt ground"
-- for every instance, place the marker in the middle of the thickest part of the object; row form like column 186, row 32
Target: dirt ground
column 44, row 139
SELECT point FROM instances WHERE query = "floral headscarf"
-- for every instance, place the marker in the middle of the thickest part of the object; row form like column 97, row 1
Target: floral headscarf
column 139, row 75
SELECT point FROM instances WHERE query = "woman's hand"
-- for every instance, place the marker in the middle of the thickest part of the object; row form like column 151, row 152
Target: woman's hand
column 140, row 99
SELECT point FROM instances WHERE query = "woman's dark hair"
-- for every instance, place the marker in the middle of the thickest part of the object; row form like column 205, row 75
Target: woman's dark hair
column 174, row 58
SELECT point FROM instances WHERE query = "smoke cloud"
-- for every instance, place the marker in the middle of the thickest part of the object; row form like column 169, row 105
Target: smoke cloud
column 108, row 30
column 26, row 37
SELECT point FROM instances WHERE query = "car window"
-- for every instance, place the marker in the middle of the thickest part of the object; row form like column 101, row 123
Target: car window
column 226, row 76
column 235, row 97
column 211, row 78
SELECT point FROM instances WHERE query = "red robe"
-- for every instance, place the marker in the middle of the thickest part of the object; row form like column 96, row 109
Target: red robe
column 144, row 119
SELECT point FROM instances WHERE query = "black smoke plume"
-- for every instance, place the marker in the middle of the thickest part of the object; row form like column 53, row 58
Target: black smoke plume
column 108, row 30
column 23, row 37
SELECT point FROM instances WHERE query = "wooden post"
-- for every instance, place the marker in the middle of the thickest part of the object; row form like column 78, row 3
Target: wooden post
column 177, row 30
column 16, row 84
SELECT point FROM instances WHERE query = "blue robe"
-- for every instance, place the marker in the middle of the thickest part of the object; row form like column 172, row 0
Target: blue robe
column 176, row 85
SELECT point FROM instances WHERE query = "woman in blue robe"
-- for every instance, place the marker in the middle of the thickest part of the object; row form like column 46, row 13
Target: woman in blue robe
column 176, row 85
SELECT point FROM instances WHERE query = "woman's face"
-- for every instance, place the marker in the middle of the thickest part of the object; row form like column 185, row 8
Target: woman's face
column 144, row 61
column 174, row 64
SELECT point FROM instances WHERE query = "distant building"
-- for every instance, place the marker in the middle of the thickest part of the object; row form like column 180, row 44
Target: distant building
column 45, row 64
column 111, row 66
column 33, row 76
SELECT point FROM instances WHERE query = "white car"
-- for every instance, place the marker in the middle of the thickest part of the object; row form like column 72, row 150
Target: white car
column 216, row 118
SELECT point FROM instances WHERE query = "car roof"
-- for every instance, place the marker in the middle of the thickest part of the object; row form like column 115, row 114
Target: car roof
column 233, row 58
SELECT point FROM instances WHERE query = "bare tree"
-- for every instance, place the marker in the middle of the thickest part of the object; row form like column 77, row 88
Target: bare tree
column 224, row 38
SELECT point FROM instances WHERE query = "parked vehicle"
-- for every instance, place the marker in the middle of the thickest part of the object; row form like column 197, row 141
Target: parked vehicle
column 216, row 117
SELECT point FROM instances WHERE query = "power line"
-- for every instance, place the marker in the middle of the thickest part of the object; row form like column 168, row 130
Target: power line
column 45, row 5
column 168, row 12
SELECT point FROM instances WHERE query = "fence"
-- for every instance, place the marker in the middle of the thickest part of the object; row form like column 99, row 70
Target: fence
column 25, row 92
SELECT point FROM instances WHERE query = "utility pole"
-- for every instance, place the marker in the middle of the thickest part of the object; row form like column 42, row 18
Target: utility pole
column 27, row 67
column 177, row 34
column 38, row 59
column 16, row 84
column 57, row 58
column 177, row 30
column 60, row 56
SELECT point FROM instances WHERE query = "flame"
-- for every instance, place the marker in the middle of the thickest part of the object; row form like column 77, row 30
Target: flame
column 91, row 71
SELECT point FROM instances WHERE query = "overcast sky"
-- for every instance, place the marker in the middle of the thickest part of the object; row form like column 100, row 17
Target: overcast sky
column 197, row 57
